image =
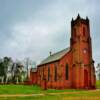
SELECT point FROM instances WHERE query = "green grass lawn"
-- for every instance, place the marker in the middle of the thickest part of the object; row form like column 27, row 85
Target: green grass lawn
column 20, row 89
column 98, row 84
column 25, row 89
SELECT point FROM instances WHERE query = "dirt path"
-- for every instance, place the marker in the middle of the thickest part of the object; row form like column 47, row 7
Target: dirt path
column 20, row 95
column 41, row 94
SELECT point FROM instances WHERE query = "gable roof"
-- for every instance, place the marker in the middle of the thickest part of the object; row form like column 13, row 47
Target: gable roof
column 55, row 56
column 33, row 69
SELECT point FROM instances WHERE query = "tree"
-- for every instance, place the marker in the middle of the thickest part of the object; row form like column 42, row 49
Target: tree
column 19, row 73
column 7, row 68
column 5, row 65
column 11, row 71
column 28, row 64
column 98, row 71
column 2, row 71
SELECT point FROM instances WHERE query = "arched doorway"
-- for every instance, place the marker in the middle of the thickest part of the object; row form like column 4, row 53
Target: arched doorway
column 85, row 78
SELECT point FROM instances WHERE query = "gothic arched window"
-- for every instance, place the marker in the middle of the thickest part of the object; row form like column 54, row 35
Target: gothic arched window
column 43, row 74
column 48, row 73
column 84, row 31
column 74, row 32
column 66, row 71
column 55, row 73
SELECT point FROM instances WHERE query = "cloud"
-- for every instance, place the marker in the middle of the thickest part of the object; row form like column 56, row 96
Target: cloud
column 32, row 40
column 33, row 28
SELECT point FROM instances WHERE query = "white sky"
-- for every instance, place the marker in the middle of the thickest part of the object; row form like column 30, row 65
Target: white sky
column 32, row 28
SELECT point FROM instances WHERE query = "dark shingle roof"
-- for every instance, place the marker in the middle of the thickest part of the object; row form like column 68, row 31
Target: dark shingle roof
column 55, row 56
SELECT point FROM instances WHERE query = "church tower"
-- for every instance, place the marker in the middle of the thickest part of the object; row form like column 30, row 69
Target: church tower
column 83, row 72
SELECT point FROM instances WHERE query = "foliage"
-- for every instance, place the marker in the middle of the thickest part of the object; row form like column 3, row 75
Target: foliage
column 19, row 73
column 11, row 70
column 4, row 65
column 2, row 72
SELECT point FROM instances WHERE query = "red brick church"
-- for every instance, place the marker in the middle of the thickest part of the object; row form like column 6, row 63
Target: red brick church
column 72, row 67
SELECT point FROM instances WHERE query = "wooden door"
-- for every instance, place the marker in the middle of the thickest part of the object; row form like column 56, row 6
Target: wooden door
column 85, row 78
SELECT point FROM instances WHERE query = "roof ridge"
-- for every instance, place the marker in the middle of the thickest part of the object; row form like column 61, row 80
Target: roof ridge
column 59, row 51
column 56, row 56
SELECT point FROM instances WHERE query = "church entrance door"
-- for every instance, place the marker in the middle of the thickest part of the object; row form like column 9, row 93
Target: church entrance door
column 85, row 78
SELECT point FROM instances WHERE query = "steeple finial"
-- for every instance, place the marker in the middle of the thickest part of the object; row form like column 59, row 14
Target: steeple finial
column 72, row 19
column 78, row 17
column 87, row 18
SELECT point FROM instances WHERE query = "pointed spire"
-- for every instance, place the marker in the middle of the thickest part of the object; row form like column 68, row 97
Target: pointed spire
column 87, row 18
column 78, row 17
column 72, row 19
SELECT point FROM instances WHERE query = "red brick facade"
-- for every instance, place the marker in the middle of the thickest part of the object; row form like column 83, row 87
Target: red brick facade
column 75, row 69
column 33, row 76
